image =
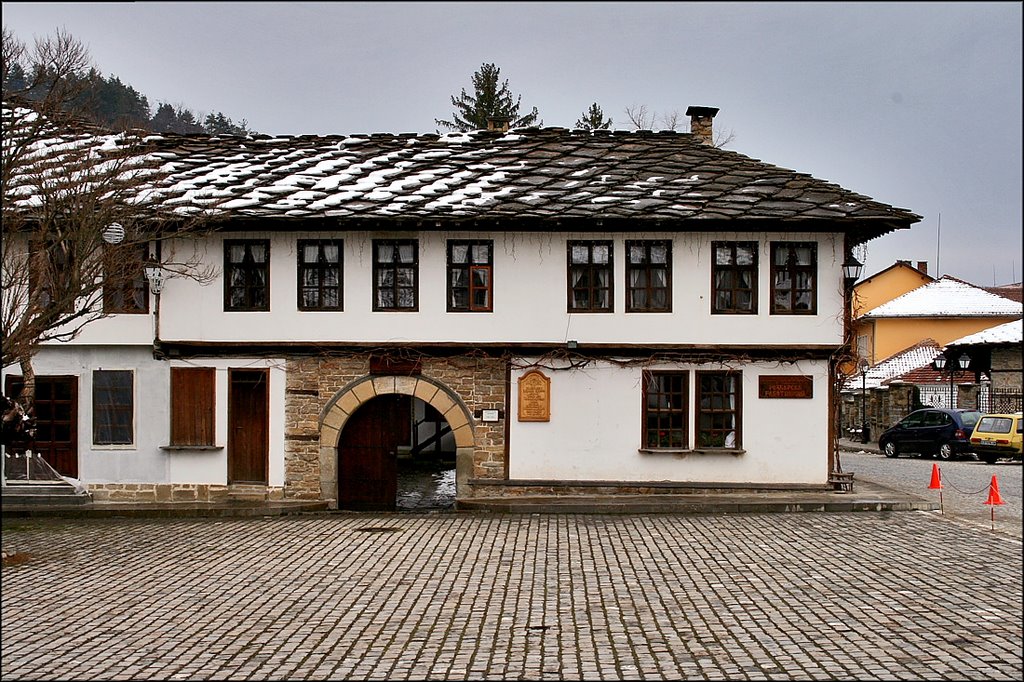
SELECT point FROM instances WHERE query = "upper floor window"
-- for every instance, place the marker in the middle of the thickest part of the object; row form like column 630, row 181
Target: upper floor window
column 470, row 267
column 247, row 274
column 734, row 277
column 113, row 407
column 49, row 280
column 590, row 276
column 718, row 409
column 649, row 276
column 320, row 270
column 396, row 274
column 124, row 282
column 794, row 277
column 666, row 409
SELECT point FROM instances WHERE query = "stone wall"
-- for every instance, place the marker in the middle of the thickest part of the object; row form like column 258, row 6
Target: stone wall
column 1007, row 372
column 325, row 387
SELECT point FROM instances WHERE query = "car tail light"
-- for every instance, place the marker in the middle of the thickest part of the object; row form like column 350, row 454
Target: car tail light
column 960, row 435
column 975, row 440
column 1003, row 441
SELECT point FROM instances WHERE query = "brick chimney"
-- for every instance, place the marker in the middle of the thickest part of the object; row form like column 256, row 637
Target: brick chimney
column 922, row 265
column 700, row 122
column 499, row 123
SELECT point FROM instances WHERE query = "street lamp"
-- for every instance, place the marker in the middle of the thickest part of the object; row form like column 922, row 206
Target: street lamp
column 155, row 276
column 940, row 363
column 863, row 366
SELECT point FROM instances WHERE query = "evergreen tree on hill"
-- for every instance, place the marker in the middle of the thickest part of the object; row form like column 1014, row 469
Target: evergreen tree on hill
column 490, row 99
column 593, row 119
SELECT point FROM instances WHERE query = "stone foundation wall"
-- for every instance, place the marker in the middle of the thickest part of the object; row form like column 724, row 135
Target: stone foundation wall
column 176, row 492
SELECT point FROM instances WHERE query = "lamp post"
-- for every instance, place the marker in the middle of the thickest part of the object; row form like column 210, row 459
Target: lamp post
column 155, row 276
column 940, row 362
column 863, row 366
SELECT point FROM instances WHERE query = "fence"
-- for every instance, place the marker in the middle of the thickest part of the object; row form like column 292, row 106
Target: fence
column 1001, row 400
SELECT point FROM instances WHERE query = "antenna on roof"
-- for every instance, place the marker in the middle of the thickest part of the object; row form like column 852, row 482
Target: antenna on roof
column 938, row 245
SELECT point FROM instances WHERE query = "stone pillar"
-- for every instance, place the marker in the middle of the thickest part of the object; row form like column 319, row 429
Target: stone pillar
column 968, row 396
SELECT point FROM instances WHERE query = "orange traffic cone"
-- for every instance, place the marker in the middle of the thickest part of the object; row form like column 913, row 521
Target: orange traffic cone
column 993, row 493
column 936, row 483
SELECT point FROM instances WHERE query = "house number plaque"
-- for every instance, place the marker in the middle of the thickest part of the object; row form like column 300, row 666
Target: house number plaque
column 534, row 397
column 785, row 387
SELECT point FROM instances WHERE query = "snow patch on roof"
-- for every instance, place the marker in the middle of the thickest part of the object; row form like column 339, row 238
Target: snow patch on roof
column 897, row 365
column 946, row 297
column 1010, row 332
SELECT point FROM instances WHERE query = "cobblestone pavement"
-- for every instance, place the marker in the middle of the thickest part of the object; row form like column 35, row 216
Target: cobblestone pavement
column 819, row 596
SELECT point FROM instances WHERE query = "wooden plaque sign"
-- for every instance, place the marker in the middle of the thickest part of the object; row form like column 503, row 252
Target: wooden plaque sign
column 785, row 387
column 534, row 397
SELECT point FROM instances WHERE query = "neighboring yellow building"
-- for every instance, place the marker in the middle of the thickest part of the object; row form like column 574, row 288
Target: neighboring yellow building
column 883, row 286
column 944, row 310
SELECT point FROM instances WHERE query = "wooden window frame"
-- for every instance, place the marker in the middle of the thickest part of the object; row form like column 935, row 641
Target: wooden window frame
column 590, row 268
column 320, row 267
column 794, row 270
column 699, row 411
column 395, row 289
column 248, row 267
column 735, row 271
column 662, row 435
column 106, row 406
column 648, row 267
column 468, row 268
column 193, row 406
column 118, row 289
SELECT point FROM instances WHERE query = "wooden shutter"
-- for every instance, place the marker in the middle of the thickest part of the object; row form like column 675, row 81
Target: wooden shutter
column 192, row 405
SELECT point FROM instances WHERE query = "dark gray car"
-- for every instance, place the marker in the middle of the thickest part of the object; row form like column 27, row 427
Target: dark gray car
column 934, row 432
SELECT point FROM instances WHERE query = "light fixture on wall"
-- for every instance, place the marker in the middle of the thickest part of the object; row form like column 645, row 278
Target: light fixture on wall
column 851, row 270
column 154, row 275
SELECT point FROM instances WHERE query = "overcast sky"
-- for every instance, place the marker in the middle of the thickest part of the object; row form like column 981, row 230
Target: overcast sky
column 915, row 104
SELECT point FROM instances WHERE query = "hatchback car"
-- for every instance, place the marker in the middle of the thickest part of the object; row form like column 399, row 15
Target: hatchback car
column 932, row 432
column 997, row 436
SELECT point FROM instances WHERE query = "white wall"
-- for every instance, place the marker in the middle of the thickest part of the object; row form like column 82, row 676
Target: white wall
column 595, row 431
column 145, row 461
column 529, row 298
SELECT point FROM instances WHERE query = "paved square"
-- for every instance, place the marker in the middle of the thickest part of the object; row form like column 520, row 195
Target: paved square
column 904, row 595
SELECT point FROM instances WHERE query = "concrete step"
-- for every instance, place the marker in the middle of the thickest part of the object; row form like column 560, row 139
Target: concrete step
column 43, row 494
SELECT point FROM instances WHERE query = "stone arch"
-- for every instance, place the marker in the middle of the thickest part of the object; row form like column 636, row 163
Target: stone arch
column 347, row 400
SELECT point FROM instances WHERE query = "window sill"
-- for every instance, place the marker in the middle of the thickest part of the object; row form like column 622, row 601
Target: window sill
column 694, row 451
column 179, row 448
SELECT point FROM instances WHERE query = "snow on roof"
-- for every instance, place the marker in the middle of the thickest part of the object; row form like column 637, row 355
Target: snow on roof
column 531, row 176
column 1010, row 332
column 917, row 356
column 946, row 297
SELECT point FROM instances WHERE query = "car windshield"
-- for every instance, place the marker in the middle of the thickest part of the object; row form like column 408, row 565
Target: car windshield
column 970, row 419
column 995, row 424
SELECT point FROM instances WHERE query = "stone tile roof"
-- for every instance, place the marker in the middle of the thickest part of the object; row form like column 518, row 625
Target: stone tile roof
column 920, row 355
column 533, row 176
column 946, row 297
column 1014, row 292
column 1008, row 333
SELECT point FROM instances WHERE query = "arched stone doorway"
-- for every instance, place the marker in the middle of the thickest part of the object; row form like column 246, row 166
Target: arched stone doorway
column 365, row 406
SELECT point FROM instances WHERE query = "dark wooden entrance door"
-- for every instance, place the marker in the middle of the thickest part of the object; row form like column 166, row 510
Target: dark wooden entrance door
column 56, row 414
column 367, row 453
column 248, row 425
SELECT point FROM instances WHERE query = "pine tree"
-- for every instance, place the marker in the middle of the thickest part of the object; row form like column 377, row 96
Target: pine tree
column 593, row 119
column 489, row 100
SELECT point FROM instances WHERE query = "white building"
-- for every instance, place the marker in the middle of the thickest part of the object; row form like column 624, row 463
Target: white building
column 561, row 311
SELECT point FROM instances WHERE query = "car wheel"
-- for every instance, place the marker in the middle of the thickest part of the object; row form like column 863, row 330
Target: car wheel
column 891, row 450
column 945, row 452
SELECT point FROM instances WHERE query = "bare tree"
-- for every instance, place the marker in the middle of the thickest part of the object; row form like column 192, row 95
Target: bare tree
column 643, row 118
column 76, row 227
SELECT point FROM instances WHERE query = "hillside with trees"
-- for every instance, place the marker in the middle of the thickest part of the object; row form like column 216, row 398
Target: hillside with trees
column 103, row 100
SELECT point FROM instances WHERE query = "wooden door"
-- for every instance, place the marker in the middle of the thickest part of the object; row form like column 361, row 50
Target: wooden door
column 56, row 414
column 248, row 425
column 367, row 453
